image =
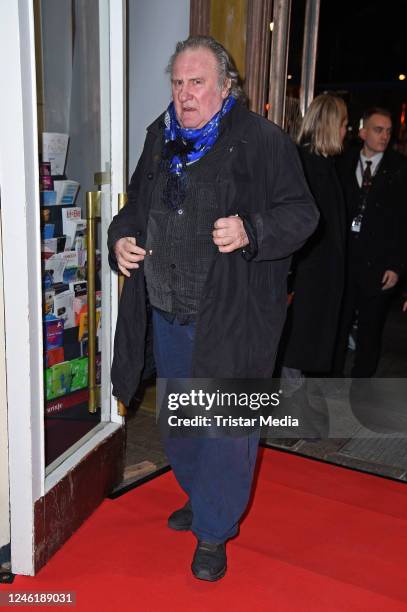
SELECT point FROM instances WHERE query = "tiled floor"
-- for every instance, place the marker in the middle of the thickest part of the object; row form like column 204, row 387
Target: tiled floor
column 386, row 456
column 378, row 455
column 143, row 440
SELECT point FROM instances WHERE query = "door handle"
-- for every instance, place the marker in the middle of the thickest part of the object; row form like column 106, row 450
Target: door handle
column 93, row 200
column 122, row 198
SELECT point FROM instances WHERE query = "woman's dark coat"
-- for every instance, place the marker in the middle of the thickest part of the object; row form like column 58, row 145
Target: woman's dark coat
column 243, row 304
column 318, row 269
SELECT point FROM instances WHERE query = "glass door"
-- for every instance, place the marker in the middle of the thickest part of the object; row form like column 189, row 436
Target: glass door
column 73, row 44
column 60, row 125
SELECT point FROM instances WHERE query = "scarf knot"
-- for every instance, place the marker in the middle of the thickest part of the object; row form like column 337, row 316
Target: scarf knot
column 184, row 146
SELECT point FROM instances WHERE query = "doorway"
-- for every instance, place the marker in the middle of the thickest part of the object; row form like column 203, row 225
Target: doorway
column 151, row 39
column 62, row 137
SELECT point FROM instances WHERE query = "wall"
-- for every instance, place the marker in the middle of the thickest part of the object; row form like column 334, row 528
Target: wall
column 153, row 29
column 228, row 25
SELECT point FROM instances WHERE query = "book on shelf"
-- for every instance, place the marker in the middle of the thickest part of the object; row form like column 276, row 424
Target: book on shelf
column 63, row 308
column 53, row 332
column 54, row 150
column 72, row 224
column 66, row 191
column 54, row 356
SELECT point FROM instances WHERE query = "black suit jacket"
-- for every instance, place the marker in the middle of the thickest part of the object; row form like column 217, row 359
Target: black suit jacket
column 381, row 242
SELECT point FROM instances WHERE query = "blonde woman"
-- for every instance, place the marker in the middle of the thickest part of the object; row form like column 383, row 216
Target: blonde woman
column 319, row 267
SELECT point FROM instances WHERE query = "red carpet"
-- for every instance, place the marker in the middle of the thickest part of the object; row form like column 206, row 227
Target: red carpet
column 317, row 538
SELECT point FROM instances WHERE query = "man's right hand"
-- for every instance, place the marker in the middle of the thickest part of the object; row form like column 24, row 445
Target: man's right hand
column 128, row 254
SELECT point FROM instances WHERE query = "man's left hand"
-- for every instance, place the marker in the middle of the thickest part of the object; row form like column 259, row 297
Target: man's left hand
column 389, row 279
column 229, row 234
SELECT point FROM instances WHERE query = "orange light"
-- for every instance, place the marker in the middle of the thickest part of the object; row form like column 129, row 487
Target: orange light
column 403, row 114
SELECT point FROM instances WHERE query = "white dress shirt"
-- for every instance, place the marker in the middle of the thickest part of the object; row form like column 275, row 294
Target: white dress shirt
column 361, row 165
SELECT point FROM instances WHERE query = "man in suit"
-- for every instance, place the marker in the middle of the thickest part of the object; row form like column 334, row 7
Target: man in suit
column 375, row 184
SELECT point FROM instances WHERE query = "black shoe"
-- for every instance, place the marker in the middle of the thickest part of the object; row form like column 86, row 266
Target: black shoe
column 181, row 520
column 209, row 562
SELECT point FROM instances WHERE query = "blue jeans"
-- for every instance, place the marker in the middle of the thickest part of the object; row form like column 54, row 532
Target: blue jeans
column 215, row 473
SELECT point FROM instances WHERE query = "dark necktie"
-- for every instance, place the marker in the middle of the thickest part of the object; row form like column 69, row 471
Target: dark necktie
column 367, row 180
column 367, row 177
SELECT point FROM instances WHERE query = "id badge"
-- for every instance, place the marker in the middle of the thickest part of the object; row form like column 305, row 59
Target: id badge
column 356, row 225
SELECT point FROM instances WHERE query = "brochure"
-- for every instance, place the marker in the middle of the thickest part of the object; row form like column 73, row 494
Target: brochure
column 54, row 150
column 66, row 191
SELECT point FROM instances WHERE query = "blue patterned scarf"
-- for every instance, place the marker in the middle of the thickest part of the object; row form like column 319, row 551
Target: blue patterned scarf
column 184, row 146
column 191, row 144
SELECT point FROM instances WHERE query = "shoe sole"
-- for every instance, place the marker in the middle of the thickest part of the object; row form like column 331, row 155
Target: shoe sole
column 178, row 528
column 207, row 578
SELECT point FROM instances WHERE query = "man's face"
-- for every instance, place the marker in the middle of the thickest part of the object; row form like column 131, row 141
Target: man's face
column 195, row 87
column 376, row 133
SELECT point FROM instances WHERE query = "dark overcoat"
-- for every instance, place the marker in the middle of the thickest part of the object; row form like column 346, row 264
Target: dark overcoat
column 243, row 304
column 319, row 271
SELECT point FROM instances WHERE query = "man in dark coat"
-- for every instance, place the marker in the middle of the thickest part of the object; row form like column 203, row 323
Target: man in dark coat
column 375, row 185
column 217, row 205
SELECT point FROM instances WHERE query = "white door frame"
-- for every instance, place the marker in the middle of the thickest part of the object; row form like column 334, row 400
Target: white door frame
column 4, row 476
column 19, row 182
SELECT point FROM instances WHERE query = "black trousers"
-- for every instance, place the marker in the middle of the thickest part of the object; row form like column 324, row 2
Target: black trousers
column 371, row 314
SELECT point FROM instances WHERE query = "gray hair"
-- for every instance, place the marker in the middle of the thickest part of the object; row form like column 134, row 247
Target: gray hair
column 226, row 66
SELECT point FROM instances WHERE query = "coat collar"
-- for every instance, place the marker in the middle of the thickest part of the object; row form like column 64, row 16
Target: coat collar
column 235, row 123
column 389, row 162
